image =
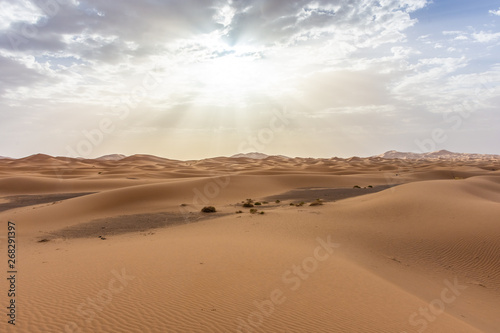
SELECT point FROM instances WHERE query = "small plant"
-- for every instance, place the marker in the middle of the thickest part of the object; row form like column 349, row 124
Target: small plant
column 356, row 186
column 208, row 209
column 253, row 211
column 265, row 202
column 248, row 203
column 261, row 213
column 300, row 204
column 277, row 201
column 239, row 212
column 258, row 203
column 369, row 186
column 183, row 205
column 318, row 202
column 292, row 204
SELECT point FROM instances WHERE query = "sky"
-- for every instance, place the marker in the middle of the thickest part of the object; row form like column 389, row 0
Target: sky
column 191, row 79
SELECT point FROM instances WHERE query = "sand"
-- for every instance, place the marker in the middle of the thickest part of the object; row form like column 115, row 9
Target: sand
column 121, row 246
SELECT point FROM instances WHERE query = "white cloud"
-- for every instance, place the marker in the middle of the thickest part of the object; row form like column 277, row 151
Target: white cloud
column 495, row 12
column 209, row 43
column 15, row 11
column 425, row 85
column 486, row 37
column 227, row 63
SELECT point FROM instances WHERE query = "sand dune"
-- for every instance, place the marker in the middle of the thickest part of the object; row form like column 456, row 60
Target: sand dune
column 121, row 245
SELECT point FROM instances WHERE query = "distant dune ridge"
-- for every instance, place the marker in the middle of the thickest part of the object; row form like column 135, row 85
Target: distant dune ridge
column 255, row 155
column 392, row 154
column 399, row 242
column 112, row 157
column 441, row 154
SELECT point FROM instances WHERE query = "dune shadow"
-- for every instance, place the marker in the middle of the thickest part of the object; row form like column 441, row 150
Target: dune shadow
column 18, row 201
column 326, row 194
column 112, row 226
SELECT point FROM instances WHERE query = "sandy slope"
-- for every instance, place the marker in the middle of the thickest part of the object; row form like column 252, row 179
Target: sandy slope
column 420, row 257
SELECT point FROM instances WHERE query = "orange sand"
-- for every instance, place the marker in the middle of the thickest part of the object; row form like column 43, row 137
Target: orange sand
column 423, row 256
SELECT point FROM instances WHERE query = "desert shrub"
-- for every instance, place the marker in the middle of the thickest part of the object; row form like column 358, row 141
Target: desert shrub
column 356, row 186
column 264, row 202
column 300, row 204
column 253, row 211
column 183, row 205
column 239, row 212
column 261, row 213
column 318, row 202
column 258, row 203
column 369, row 186
column 277, row 201
column 292, row 204
column 208, row 209
column 248, row 203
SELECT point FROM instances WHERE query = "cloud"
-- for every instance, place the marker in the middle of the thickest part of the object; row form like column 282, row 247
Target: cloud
column 15, row 11
column 495, row 12
column 442, row 85
column 71, row 26
column 344, row 89
column 104, row 42
column 486, row 37
column 226, row 64
column 365, row 24
column 16, row 74
column 127, row 20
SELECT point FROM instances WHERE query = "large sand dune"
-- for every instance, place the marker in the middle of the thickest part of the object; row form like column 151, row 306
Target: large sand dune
column 121, row 246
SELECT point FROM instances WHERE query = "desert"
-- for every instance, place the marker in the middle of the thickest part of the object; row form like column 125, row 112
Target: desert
column 249, row 166
column 391, row 245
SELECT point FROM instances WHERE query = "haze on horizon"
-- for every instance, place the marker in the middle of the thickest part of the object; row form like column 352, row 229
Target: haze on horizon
column 192, row 79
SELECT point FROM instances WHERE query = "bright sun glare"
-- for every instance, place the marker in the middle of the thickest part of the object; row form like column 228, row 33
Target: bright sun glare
column 234, row 75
